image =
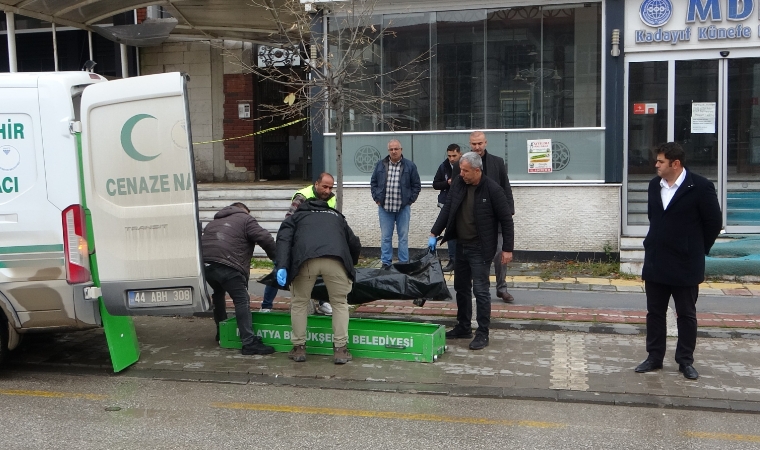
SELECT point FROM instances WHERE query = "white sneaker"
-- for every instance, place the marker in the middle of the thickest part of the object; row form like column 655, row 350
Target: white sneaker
column 265, row 310
column 325, row 309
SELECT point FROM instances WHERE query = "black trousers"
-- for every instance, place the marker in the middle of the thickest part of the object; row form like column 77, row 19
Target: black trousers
column 471, row 277
column 685, row 299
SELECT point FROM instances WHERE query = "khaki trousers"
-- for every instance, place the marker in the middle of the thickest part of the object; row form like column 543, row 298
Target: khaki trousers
column 338, row 286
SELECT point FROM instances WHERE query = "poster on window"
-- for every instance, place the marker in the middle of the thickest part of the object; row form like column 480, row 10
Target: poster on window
column 539, row 156
column 703, row 117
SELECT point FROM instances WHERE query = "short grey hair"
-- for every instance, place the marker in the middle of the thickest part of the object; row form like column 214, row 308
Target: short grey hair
column 396, row 141
column 473, row 160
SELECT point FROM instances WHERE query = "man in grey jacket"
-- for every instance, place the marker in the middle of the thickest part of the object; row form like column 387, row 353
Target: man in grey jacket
column 228, row 242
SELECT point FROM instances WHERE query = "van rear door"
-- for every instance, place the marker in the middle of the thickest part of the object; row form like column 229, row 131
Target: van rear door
column 139, row 182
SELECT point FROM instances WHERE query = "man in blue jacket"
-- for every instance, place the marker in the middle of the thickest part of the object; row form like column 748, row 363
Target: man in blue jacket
column 395, row 185
column 442, row 183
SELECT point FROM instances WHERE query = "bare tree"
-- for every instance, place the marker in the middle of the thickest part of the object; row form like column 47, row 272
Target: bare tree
column 343, row 71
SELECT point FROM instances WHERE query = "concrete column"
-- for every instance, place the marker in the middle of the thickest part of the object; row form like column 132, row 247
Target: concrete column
column 89, row 43
column 124, row 61
column 217, row 109
column 55, row 49
column 10, row 19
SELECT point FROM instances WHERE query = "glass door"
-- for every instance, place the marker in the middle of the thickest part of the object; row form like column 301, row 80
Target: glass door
column 648, row 112
column 696, row 116
column 672, row 100
column 742, row 171
column 712, row 108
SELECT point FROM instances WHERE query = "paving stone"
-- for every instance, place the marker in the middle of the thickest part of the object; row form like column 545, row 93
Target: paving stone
column 626, row 288
column 711, row 292
column 626, row 283
column 552, row 286
column 526, row 285
column 578, row 287
column 598, row 281
column 737, row 292
column 603, row 287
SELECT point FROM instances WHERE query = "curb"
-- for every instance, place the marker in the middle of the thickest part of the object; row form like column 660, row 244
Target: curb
column 449, row 390
column 579, row 327
column 549, row 325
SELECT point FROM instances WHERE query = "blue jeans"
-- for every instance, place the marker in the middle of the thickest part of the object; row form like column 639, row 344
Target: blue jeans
column 223, row 279
column 270, row 292
column 452, row 249
column 471, row 273
column 387, row 221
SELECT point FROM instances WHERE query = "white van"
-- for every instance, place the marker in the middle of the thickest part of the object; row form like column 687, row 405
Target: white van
column 71, row 138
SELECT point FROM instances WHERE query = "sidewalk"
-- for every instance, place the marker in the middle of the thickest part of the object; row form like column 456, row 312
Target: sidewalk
column 518, row 364
column 536, row 316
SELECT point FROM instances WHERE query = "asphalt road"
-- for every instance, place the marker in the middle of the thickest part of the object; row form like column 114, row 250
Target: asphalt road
column 603, row 300
column 48, row 410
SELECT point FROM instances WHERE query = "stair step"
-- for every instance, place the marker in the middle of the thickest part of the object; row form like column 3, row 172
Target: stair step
column 633, row 268
column 251, row 204
column 249, row 194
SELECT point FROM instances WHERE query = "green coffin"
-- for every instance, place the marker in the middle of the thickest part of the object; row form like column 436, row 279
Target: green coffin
column 367, row 338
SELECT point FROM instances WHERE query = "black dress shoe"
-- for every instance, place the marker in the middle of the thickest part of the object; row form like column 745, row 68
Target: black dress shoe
column 449, row 267
column 386, row 267
column 648, row 365
column 506, row 296
column 688, row 371
column 458, row 333
column 480, row 342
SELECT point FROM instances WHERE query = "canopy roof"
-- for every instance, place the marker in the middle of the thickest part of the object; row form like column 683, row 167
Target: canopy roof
column 210, row 19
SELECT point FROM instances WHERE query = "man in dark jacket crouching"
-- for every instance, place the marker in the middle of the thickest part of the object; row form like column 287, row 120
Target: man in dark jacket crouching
column 228, row 242
column 475, row 208
column 316, row 240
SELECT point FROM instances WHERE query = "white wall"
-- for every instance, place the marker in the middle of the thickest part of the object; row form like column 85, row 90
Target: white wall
column 195, row 59
column 561, row 218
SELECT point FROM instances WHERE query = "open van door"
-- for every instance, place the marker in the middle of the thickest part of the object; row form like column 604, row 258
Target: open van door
column 139, row 182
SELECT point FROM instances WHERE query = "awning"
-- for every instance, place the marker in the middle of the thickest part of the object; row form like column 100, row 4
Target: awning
column 210, row 19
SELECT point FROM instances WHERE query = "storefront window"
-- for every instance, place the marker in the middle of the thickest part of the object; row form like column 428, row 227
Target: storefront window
column 459, row 76
column 527, row 67
column 406, row 57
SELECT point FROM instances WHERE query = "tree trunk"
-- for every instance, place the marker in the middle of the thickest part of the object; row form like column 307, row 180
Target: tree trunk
column 339, row 117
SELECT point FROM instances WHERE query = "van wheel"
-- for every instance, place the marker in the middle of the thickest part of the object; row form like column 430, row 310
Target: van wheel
column 3, row 338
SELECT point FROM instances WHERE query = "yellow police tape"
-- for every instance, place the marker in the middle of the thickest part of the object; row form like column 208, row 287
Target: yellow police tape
column 252, row 134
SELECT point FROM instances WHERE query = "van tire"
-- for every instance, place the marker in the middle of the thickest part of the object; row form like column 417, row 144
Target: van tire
column 3, row 337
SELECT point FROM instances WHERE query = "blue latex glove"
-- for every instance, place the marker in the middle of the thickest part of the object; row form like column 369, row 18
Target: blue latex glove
column 282, row 277
column 432, row 241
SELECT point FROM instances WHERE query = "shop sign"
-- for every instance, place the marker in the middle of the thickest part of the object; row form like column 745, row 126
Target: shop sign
column 540, row 156
column 645, row 108
column 652, row 24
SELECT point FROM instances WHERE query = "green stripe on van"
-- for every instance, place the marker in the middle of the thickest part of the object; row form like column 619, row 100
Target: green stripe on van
column 31, row 249
column 52, row 262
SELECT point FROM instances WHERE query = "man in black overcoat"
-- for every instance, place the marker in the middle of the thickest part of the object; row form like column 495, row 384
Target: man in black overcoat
column 684, row 221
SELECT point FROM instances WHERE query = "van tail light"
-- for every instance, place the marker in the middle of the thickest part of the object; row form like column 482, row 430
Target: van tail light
column 77, row 252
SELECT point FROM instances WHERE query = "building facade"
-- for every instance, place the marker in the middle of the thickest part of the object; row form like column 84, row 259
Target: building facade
column 692, row 75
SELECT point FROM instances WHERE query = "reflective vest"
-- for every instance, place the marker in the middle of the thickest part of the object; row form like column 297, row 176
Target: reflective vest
column 309, row 193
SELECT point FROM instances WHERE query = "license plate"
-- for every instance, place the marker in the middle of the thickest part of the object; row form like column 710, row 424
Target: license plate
column 160, row 297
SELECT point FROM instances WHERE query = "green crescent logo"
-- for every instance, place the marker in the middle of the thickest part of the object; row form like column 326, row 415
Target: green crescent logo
column 126, row 138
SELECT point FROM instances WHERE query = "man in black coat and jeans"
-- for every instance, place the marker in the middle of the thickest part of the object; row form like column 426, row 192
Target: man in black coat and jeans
column 228, row 242
column 495, row 169
column 442, row 182
column 475, row 210
column 317, row 241
column 684, row 221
